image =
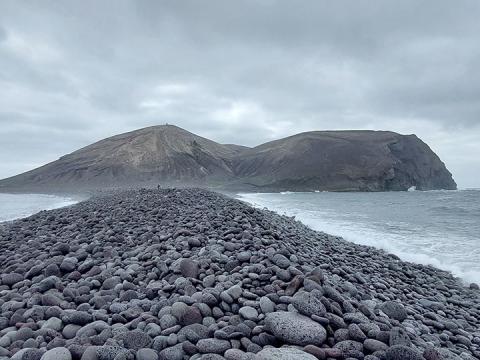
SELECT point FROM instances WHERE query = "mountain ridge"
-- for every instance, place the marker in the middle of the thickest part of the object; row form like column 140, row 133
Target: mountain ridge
column 348, row 160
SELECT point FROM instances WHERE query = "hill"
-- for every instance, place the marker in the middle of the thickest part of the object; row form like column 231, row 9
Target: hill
column 344, row 160
column 171, row 156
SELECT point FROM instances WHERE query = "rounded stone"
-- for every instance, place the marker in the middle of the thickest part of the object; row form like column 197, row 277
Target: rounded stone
column 355, row 333
column 293, row 328
column 309, row 303
column 215, row 346
column 266, row 305
column 70, row 331
column 53, row 323
column 29, row 354
column 11, row 279
column 59, row 353
column 283, row 354
column 178, row 309
column 52, row 270
column 235, row 354
column 77, row 317
column 281, row 261
column 248, row 313
column 190, row 315
column 235, row 291
column 319, row 353
column 399, row 336
column 373, row 345
column 244, row 256
column 349, row 346
column 394, row 310
column 167, row 321
column 208, row 281
column 135, row 339
column 68, row 264
column 189, row 268
column 110, row 283
column 401, row 352
column 172, row 353
column 146, row 354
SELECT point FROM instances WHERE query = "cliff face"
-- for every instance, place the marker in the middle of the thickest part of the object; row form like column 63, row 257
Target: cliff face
column 417, row 164
column 168, row 155
column 344, row 161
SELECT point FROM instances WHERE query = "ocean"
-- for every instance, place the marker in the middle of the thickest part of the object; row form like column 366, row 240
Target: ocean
column 439, row 228
column 15, row 206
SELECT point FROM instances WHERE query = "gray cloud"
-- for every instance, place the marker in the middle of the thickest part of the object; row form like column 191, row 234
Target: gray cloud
column 239, row 72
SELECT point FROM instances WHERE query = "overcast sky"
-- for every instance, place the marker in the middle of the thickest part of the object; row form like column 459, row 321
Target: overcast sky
column 245, row 72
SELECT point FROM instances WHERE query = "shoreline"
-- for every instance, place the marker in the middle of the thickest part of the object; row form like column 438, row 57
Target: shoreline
column 85, row 196
column 163, row 262
column 54, row 202
column 332, row 220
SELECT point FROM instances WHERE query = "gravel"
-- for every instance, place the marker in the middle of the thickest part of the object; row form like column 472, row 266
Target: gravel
column 192, row 274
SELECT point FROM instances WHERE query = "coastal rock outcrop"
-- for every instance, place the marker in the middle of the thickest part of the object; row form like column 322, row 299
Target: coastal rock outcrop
column 191, row 274
column 317, row 160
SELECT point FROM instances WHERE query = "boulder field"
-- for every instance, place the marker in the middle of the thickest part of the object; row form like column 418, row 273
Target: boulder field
column 191, row 274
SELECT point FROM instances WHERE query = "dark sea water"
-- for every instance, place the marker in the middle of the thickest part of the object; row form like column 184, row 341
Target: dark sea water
column 441, row 228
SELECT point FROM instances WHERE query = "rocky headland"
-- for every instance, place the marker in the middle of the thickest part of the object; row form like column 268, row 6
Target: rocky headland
column 191, row 274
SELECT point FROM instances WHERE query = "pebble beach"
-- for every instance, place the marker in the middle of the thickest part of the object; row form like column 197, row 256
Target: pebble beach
column 192, row 274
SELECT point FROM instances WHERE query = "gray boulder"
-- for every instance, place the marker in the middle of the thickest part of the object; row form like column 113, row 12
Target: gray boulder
column 394, row 310
column 308, row 303
column 293, row 328
column 283, row 354
column 146, row 354
column 59, row 353
column 214, row 346
column 401, row 352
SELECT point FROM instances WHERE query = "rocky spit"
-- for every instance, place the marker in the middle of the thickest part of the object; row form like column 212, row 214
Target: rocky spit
column 191, row 274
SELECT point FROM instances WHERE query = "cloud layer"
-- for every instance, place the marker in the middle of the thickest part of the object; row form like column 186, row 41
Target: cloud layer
column 238, row 72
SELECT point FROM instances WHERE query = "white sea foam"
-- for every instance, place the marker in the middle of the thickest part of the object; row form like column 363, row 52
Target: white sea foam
column 15, row 206
column 400, row 231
